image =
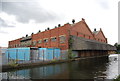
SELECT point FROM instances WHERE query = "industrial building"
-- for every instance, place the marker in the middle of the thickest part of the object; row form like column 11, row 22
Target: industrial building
column 75, row 36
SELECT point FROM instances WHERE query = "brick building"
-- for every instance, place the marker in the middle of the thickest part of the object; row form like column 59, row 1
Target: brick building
column 58, row 37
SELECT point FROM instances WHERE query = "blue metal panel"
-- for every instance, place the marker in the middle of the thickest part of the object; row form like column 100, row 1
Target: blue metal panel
column 18, row 53
column 50, row 53
column 27, row 53
column 6, row 53
column 42, row 53
column 46, row 54
column 56, row 53
column 23, row 53
column 11, row 53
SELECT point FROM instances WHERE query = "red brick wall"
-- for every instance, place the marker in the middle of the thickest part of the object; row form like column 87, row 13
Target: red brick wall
column 100, row 37
column 79, row 29
column 56, row 32
column 14, row 43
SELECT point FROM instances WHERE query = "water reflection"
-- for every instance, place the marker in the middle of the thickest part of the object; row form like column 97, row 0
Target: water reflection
column 82, row 69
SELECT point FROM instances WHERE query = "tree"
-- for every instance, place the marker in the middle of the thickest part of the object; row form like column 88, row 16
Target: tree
column 118, row 47
column 116, row 44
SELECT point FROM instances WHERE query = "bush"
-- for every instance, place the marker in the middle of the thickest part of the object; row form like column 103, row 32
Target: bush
column 13, row 63
column 117, row 79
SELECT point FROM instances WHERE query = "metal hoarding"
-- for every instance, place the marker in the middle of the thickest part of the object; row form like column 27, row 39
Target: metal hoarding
column 34, row 54
column 23, row 53
column 56, row 53
column 18, row 53
column 11, row 53
column 42, row 53
column 50, row 53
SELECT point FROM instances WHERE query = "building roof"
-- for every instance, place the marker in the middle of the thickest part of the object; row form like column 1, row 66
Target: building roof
column 95, row 32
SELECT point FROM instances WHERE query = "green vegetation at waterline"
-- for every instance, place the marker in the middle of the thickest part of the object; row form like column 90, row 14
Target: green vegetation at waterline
column 13, row 63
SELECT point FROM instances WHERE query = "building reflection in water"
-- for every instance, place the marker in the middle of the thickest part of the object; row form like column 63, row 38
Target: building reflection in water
column 82, row 69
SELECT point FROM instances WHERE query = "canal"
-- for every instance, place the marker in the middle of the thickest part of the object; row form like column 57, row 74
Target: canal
column 82, row 69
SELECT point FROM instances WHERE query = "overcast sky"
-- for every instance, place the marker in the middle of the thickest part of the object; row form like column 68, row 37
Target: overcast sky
column 21, row 17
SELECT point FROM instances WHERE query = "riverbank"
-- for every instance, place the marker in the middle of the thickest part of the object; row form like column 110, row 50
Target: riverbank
column 34, row 64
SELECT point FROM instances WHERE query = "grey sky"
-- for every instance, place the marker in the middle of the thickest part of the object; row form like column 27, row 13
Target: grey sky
column 103, row 3
column 3, row 23
column 21, row 17
column 25, row 11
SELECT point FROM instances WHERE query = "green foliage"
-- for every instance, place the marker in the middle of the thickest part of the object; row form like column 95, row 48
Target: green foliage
column 70, row 41
column 118, row 48
column 54, row 60
column 13, row 63
column 117, row 79
column 70, row 54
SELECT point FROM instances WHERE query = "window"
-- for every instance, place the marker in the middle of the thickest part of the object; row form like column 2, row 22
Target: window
column 53, row 39
column 39, row 41
column 45, row 40
column 34, row 42
column 62, row 39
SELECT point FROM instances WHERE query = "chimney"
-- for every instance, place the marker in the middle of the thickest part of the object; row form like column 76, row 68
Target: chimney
column 39, row 31
column 55, row 26
column 94, row 29
column 59, row 25
column 26, row 35
column 83, row 19
column 48, row 28
column 32, row 33
column 73, row 21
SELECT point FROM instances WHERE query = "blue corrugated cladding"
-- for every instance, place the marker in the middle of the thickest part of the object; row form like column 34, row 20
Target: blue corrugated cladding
column 18, row 53
column 56, row 53
column 49, row 53
column 23, row 53
column 42, row 53
column 11, row 53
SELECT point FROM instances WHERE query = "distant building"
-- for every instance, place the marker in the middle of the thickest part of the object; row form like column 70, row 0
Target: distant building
column 2, row 50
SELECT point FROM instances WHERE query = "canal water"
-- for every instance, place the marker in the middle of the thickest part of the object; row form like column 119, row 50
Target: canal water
column 90, row 68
